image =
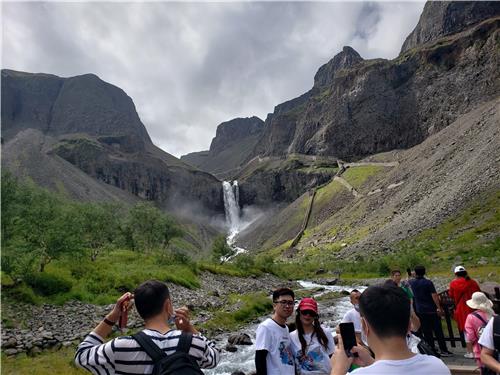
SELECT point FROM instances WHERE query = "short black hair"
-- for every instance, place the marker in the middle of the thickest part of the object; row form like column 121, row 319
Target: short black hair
column 408, row 271
column 283, row 292
column 355, row 291
column 387, row 309
column 419, row 270
column 150, row 297
column 390, row 282
column 461, row 273
column 393, row 272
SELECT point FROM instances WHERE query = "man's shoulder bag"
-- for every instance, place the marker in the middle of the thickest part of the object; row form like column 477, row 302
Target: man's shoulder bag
column 178, row 363
column 496, row 343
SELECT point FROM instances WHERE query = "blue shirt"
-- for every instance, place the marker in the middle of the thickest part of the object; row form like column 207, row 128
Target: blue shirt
column 422, row 294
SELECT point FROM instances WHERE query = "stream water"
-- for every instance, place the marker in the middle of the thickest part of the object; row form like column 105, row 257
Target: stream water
column 243, row 359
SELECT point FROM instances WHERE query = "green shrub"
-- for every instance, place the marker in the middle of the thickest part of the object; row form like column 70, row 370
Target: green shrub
column 23, row 293
column 47, row 284
column 244, row 262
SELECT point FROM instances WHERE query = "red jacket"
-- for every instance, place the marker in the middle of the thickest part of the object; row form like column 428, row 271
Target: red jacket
column 461, row 290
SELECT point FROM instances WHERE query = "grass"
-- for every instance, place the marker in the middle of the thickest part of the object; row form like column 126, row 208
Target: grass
column 246, row 308
column 104, row 280
column 47, row 363
column 357, row 176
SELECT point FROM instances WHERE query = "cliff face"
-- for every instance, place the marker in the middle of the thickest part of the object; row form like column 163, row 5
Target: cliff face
column 441, row 18
column 93, row 126
column 232, row 145
column 363, row 107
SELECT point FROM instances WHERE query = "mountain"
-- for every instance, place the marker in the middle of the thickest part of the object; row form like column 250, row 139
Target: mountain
column 82, row 136
column 233, row 143
column 356, row 107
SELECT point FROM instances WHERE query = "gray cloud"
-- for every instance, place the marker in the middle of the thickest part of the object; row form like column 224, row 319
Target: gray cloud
column 190, row 66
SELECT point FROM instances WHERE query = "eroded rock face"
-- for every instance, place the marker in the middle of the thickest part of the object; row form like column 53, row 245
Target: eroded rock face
column 361, row 107
column 94, row 126
column 232, row 145
column 441, row 18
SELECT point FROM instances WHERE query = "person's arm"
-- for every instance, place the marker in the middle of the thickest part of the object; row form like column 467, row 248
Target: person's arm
column 437, row 302
column 260, row 362
column 414, row 320
column 488, row 360
column 92, row 354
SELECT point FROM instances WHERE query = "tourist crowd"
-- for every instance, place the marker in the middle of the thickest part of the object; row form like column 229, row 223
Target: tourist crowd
column 390, row 329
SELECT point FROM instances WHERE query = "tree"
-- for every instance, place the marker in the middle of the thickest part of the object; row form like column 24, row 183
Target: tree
column 150, row 229
column 220, row 249
column 47, row 226
column 99, row 225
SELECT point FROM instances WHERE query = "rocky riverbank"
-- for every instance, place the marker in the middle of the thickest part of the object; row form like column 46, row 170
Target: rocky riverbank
column 32, row 329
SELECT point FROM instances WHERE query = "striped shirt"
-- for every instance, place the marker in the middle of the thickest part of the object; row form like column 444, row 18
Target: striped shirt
column 123, row 355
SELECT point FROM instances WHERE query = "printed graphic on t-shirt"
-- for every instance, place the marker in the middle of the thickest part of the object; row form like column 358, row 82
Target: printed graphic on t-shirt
column 286, row 354
column 312, row 361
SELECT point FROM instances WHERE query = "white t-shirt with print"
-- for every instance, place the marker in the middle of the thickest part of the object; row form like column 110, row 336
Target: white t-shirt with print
column 317, row 359
column 353, row 316
column 276, row 340
column 420, row 364
column 486, row 338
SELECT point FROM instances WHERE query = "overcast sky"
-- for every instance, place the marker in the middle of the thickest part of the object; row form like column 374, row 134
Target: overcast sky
column 190, row 66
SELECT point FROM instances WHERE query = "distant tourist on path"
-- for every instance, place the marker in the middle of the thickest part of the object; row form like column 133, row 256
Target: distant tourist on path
column 124, row 355
column 312, row 343
column 273, row 345
column 490, row 343
column 352, row 316
column 482, row 312
column 385, row 312
column 428, row 309
column 461, row 289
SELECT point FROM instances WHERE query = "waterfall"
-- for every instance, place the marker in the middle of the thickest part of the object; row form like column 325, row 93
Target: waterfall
column 232, row 209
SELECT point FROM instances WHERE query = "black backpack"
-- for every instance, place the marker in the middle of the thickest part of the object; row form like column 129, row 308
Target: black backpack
column 496, row 342
column 178, row 363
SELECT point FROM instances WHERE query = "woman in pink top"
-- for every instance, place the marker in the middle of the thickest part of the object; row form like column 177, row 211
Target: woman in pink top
column 477, row 320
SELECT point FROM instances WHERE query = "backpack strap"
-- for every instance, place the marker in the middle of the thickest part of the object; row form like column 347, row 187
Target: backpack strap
column 184, row 343
column 149, row 346
column 480, row 317
column 496, row 332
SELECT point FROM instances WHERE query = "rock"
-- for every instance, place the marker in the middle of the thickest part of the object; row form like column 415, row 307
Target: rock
column 11, row 342
column 238, row 373
column 239, row 339
column 231, row 348
column 65, row 344
column 10, row 352
column 34, row 351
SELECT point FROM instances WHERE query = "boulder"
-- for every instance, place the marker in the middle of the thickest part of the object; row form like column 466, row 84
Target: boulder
column 239, row 339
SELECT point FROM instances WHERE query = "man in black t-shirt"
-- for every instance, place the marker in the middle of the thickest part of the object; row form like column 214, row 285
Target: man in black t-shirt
column 428, row 309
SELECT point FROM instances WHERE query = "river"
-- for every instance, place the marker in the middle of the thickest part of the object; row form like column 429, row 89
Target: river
column 243, row 359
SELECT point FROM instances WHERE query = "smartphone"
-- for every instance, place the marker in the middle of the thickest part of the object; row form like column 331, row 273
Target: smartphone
column 348, row 337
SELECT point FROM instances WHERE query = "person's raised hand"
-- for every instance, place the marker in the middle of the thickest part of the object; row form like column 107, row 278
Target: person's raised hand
column 182, row 321
column 364, row 357
column 340, row 361
column 123, row 303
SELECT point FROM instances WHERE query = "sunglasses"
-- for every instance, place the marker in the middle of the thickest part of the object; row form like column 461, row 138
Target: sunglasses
column 285, row 303
column 308, row 312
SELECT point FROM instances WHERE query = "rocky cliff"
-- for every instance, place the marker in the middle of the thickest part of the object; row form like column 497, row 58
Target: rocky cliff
column 360, row 107
column 83, row 124
column 441, row 18
column 232, row 145
column 357, row 107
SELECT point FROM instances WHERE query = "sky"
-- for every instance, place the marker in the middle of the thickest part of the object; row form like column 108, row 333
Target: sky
column 190, row 66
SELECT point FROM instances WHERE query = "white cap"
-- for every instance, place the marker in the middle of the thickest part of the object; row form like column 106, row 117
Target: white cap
column 459, row 269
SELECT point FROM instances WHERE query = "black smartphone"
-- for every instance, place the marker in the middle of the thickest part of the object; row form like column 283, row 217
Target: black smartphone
column 348, row 337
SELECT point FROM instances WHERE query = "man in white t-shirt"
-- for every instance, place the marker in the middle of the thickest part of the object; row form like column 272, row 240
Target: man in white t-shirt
column 489, row 351
column 352, row 316
column 385, row 318
column 273, row 346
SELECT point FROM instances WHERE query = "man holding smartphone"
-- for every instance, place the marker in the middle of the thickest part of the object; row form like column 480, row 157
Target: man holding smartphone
column 124, row 355
column 385, row 318
column 273, row 345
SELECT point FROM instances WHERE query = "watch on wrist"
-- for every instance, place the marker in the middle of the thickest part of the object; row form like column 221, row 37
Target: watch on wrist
column 109, row 322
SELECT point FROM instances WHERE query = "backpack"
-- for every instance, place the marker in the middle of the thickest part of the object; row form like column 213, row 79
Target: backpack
column 496, row 342
column 481, row 329
column 177, row 363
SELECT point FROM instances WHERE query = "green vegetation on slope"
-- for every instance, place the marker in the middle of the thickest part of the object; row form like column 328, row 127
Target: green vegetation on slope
column 357, row 176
